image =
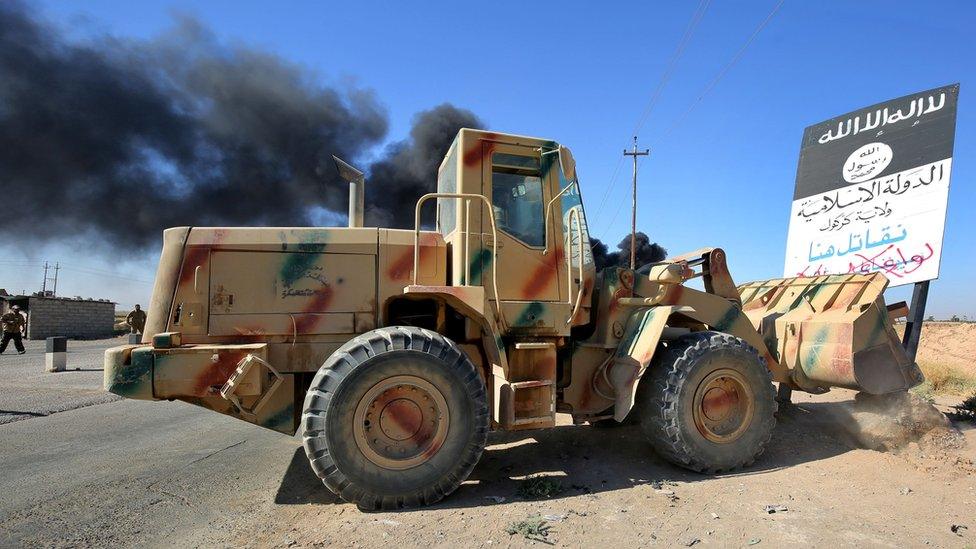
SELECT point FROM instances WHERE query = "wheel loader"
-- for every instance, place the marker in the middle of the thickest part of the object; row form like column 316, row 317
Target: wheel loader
column 394, row 352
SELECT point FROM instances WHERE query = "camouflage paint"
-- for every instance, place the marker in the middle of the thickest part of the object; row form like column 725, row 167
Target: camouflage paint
column 634, row 355
column 132, row 380
column 543, row 274
column 529, row 316
column 833, row 331
column 837, row 333
column 402, row 267
column 480, row 263
column 296, row 265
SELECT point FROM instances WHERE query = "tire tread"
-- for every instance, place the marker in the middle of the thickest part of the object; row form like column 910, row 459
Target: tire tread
column 660, row 398
column 352, row 355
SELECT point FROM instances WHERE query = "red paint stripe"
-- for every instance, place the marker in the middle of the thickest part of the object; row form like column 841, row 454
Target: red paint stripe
column 542, row 275
column 193, row 258
column 474, row 155
column 217, row 374
column 402, row 267
column 318, row 304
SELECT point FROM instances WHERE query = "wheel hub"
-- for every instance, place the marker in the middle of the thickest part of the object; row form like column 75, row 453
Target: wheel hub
column 723, row 406
column 401, row 422
column 401, row 419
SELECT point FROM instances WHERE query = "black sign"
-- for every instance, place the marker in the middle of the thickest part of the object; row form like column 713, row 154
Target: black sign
column 919, row 129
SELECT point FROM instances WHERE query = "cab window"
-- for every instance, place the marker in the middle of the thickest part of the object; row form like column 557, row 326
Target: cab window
column 516, row 196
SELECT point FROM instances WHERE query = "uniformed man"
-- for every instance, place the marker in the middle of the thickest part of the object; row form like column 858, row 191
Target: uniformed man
column 136, row 320
column 14, row 326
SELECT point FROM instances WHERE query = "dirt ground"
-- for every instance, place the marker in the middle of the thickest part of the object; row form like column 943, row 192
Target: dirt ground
column 131, row 473
column 949, row 343
column 826, row 488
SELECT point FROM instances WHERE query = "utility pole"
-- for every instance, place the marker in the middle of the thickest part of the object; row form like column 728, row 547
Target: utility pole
column 54, row 279
column 57, row 267
column 633, row 207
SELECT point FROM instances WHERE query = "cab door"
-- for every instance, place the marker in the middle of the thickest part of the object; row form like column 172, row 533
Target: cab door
column 519, row 188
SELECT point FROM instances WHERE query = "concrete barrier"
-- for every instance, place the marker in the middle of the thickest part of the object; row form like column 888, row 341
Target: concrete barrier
column 135, row 339
column 56, row 355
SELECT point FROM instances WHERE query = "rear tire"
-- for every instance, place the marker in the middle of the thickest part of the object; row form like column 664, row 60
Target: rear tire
column 395, row 418
column 708, row 402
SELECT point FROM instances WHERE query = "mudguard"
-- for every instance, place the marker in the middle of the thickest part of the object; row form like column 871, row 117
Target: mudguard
column 641, row 336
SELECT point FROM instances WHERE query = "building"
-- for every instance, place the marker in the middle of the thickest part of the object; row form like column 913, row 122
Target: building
column 61, row 316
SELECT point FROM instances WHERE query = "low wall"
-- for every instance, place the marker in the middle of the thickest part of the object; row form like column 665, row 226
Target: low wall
column 78, row 318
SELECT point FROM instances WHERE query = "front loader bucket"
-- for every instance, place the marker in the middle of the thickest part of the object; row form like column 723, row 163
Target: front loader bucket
column 831, row 331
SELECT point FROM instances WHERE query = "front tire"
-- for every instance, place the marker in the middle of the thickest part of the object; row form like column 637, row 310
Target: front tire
column 395, row 418
column 708, row 403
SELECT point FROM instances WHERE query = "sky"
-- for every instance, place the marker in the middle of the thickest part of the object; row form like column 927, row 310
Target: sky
column 724, row 135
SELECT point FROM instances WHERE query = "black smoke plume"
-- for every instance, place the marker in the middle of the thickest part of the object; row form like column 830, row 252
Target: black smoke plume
column 120, row 138
column 409, row 168
column 647, row 252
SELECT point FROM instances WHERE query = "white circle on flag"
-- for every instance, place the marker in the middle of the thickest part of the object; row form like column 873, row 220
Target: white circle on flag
column 867, row 162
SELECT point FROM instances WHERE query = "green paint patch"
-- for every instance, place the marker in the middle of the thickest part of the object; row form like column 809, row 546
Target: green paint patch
column 297, row 264
column 728, row 319
column 135, row 380
column 530, row 315
column 812, row 361
column 282, row 421
column 631, row 335
column 481, row 261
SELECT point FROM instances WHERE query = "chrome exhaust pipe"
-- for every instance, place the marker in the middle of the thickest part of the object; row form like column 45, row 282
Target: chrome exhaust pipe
column 357, row 184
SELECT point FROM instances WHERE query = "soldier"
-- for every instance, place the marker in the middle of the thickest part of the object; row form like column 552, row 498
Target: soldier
column 13, row 324
column 136, row 320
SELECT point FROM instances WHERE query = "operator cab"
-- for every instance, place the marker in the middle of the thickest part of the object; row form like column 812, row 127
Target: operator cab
column 538, row 255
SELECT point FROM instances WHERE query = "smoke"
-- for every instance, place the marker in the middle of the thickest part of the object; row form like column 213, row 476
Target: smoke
column 113, row 140
column 120, row 139
column 410, row 167
column 646, row 252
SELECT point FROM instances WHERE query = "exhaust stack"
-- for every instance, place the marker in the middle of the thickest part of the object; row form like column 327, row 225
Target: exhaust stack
column 357, row 182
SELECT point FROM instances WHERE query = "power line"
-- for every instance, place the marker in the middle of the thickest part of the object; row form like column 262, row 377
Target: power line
column 721, row 74
column 106, row 274
column 82, row 270
column 672, row 63
column 711, row 85
column 606, row 192
column 696, row 18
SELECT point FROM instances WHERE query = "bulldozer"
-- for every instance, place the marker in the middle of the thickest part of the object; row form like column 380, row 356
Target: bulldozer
column 394, row 352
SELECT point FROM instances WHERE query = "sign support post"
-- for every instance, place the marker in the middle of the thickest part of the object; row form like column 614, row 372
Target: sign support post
column 913, row 328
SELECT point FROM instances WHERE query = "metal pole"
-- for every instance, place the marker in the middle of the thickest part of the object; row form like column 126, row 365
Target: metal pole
column 57, row 267
column 633, row 205
column 913, row 328
column 44, row 284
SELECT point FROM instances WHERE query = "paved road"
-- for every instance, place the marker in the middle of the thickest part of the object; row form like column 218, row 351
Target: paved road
column 26, row 390
column 81, row 467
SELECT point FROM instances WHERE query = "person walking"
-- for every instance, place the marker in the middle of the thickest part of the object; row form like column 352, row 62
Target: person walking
column 136, row 320
column 13, row 325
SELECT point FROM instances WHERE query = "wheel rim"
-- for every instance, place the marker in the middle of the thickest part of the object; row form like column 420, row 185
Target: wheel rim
column 723, row 406
column 401, row 422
